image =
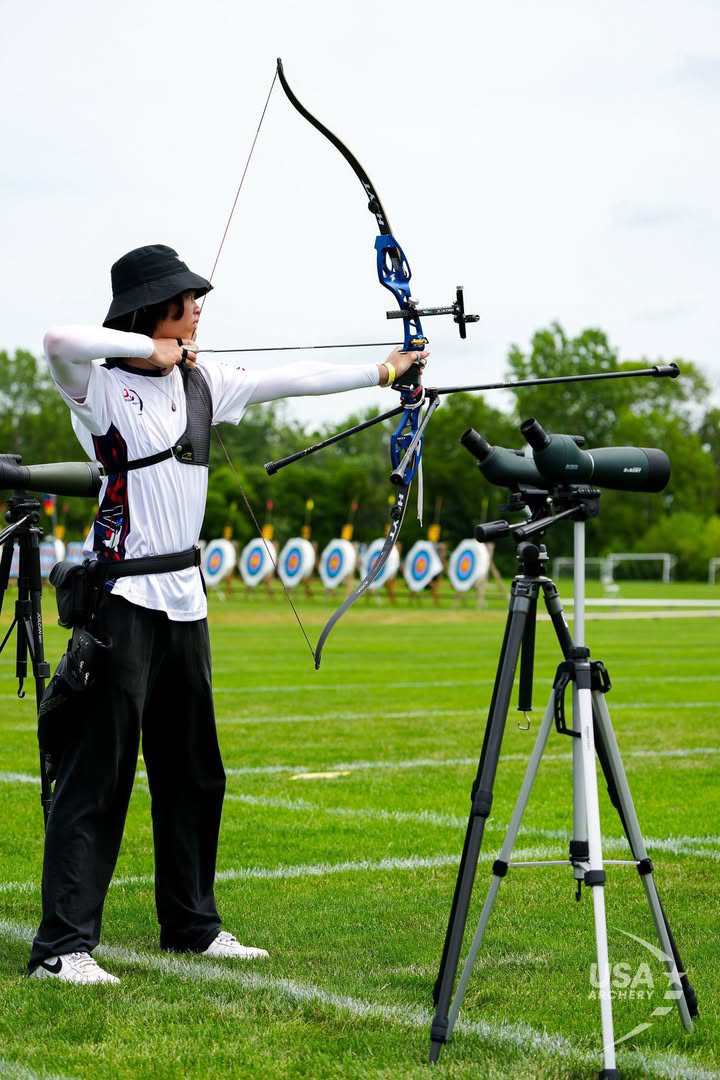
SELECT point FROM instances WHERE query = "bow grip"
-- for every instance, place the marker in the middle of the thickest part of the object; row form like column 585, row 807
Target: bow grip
column 412, row 379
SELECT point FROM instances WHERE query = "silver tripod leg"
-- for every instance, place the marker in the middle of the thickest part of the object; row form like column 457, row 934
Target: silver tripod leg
column 639, row 852
column 595, row 876
column 502, row 861
column 579, row 816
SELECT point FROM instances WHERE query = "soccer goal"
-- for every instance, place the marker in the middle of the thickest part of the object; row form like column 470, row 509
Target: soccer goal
column 644, row 567
column 564, row 566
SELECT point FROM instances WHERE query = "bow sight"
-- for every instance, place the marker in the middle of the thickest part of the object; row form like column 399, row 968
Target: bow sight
column 456, row 309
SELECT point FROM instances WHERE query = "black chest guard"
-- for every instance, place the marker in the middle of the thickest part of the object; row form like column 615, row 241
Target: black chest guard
column 193, row 446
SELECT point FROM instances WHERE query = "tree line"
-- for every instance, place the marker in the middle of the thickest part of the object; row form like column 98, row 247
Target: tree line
column 676, row 416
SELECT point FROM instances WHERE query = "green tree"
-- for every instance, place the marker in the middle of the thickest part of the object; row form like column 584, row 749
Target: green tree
column 693, row 538
column 654, row 412
column 35, row 423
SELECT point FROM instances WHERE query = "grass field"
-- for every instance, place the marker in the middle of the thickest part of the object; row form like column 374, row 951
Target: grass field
column 347, row 878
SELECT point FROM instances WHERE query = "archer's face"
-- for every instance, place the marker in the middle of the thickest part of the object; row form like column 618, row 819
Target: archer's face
column 186, row 325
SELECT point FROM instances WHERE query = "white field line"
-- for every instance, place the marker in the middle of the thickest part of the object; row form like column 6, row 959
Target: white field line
column 419, row 684
column 10, row 1070
column 598, row 616
column 307, row 870
column 680, row 845
column 415, row 714
column 517, row 1036
column 346, row 687
column 412, row 763
column 273, row 873
column 318, row 685
column 611, row 602
column 418, row 714
column 415, row 763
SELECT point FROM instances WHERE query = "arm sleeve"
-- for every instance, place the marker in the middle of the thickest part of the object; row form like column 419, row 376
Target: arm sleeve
column 311, row 377
column 233, row 389
column 71, row 350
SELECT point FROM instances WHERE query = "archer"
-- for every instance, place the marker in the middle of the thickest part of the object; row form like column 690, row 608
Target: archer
column 145, row 413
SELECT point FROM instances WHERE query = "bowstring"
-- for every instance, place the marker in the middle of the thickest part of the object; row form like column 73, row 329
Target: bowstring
column 240, row 185
column 264, row 540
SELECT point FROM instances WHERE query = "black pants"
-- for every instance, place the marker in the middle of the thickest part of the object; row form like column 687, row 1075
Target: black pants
column 157, row 685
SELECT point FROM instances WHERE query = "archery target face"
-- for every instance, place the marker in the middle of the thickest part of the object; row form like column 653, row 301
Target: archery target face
column 469, row 564
column 296, row 562
column 389, row 570
column 422, row 565
column 218, row 561
column 74, row 552
column 337, row 562
column 255, row 562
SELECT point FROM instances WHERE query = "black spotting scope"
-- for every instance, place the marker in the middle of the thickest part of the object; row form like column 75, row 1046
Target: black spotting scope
column 56, row 478
column 560, row 460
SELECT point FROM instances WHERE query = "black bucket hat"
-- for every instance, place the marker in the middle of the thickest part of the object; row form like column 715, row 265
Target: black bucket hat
column 148, row 275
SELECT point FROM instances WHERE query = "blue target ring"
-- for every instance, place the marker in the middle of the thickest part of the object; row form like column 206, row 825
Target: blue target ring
column 466, row 564
column 255, row 560
column 335, row 563
column 293, row 561
column 420, row 566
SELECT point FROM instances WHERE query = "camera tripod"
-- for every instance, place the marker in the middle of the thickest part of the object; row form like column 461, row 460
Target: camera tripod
column 23, row 515
column 591, row 732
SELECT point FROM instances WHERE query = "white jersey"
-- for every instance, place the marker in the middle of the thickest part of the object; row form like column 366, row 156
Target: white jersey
column 123, row 413
column 159, row 509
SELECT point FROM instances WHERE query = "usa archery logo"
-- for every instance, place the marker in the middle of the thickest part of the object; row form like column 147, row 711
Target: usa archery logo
column 131, row 397
column 637, row 983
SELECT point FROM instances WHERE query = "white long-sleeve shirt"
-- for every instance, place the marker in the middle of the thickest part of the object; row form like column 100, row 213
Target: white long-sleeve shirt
column 121, row 414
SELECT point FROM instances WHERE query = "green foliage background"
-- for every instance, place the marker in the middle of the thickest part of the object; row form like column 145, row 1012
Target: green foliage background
column 674, row 415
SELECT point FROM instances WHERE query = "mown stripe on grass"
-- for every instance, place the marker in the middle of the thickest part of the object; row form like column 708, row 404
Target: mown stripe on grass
column 516, row 1036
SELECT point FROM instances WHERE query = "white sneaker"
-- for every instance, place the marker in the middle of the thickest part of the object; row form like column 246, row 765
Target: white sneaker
column 226, row 944
column 74, row 967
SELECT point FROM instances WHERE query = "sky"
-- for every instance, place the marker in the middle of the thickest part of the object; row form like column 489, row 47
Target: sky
column 560, row 160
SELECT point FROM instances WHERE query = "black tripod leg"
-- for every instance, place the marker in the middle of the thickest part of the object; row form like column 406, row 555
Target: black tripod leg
column 30, row 637
column 464, row 856
column 5, row 564
column 523, row 596
column 618, row 789
column 527, row 661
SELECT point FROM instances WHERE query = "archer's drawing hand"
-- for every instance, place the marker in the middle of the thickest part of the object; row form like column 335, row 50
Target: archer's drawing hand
column 167, row 353
column 401, row 361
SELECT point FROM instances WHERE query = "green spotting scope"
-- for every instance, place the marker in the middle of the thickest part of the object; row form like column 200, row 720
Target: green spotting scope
column 506, row 468
column 560, row 460
column 58, row 477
